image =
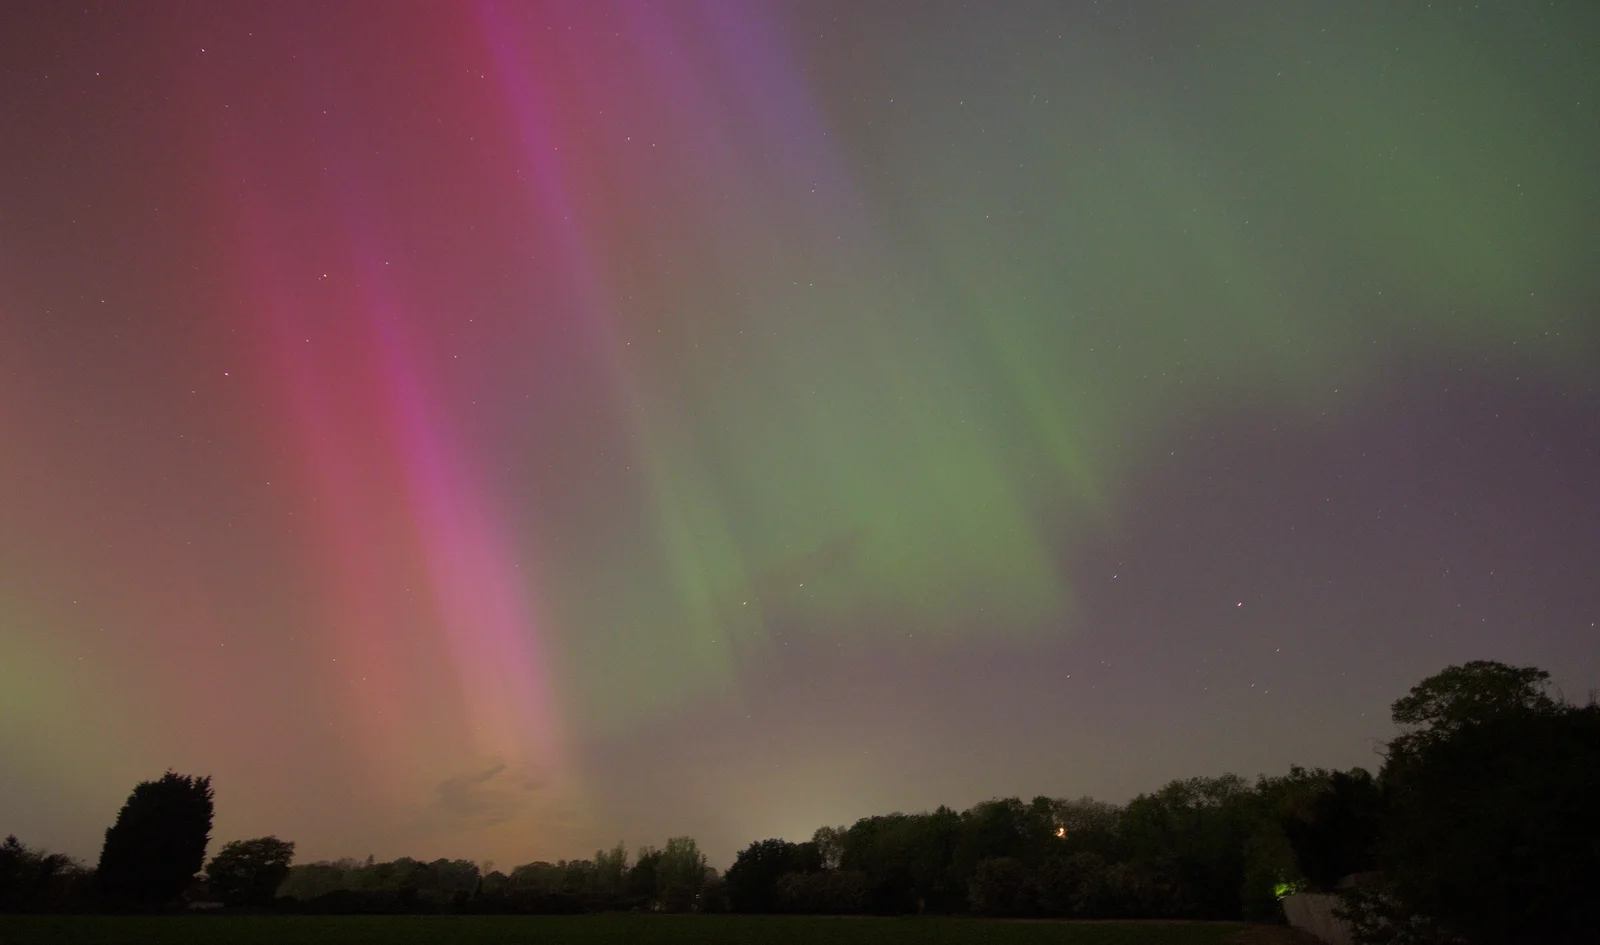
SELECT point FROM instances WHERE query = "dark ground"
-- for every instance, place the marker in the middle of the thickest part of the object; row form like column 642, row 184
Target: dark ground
column 607, row 929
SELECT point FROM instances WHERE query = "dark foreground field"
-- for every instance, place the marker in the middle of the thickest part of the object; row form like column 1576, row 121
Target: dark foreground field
column 606, row 930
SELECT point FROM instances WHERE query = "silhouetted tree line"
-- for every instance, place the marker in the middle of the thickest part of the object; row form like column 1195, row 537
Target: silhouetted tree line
column 672, row 879
column 1200, row 848
column 1482, row 826
column 35, row 881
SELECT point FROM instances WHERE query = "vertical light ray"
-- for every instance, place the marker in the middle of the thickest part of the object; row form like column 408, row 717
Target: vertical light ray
column 480, row 590
column 690, row 526
column 428, row 606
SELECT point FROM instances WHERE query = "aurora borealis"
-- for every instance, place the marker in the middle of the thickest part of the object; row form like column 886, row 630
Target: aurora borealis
column 491, row 429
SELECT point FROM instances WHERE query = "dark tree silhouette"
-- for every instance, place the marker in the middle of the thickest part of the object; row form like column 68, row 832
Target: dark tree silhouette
column 1458, row 696
column 1201, row 827
column 1491, row 820
column 752, row 880
column 644, row 879
column 1334, row 834
column 36, row 881
column 158, row 843
column 908, row 860
column 249, row 872
column 680, row 875
column 1000, row 886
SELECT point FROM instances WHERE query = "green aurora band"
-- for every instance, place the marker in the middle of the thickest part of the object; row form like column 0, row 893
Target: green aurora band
column 1040, row 259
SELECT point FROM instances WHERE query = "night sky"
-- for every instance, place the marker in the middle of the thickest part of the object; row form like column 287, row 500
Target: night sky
column 496, row 429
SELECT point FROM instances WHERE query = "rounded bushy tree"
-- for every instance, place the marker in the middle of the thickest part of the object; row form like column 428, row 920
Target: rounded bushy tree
column 249, row 872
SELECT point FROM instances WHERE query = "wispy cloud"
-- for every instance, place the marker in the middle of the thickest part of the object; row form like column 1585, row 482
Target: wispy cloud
column 486, row 797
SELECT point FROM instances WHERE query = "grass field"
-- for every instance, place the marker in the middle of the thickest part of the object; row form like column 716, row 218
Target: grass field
column 597, row 930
